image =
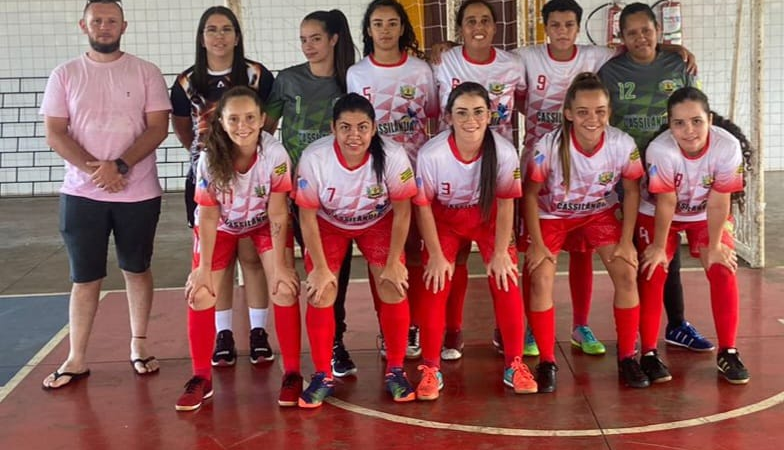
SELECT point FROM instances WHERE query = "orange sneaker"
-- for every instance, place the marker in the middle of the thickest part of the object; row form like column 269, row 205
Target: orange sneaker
column 519, row 378
column 432, row 381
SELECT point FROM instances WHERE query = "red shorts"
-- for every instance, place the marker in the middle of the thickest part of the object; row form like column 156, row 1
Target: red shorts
column 457, row 227
column 372, row 241
column 696, row 233
column 578, row 234
column 226, row 245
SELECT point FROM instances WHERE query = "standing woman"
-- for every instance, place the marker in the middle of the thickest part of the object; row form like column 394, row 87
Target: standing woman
column 355, row 186
column 570, row 194
column 220, row 64
column 468, row 178
column 695, row 169
column 501, row 74
column 640, row 81
column 401, row 88
column 302, row 96
column 243, row 182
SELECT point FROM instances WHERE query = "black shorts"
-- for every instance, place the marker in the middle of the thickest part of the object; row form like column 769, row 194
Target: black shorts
column 86, row 224
column 190, row 203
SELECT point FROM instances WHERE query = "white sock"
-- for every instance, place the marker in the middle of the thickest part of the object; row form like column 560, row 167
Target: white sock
column 258, row 317
column 223, row 320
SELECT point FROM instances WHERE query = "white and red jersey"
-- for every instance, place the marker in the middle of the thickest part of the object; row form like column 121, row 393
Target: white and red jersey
column 244, row 206
column 592, row 177
column 502, row 76
column 352, row 198
column 443, row 176
column 546, row 82
column 718, row 167
column 403, row 96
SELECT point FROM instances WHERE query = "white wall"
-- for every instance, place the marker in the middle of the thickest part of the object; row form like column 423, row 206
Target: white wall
column 37, row 35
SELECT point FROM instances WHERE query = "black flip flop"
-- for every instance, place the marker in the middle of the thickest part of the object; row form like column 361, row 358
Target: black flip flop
column 143, row 361
column 74, row 377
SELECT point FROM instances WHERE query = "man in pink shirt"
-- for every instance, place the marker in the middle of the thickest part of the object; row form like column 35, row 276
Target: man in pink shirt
column 105, row 114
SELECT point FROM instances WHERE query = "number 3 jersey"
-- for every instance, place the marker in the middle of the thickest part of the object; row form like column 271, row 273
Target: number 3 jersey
column 352, row 198
column 403, row 96
column 719, row 167
column 592, row 176
column 244, row 206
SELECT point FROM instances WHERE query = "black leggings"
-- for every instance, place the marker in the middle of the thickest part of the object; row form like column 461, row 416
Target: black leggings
column 673, row 291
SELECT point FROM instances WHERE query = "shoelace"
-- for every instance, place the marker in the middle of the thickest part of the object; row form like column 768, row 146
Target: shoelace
column 693, row 331
column 429, row 375
column 192, row 384
column 587, row 334
column 520, row 368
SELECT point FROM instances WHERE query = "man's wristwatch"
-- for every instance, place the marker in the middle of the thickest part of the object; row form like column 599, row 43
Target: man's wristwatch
column 122, row 166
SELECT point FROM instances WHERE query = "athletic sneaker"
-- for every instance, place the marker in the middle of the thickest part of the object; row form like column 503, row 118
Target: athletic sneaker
column 519, row 377
column 529, row 344
column 225, row 354
column 259, row 346
column 342, row 365
column 498, row 341
column 453, row 345
column 545, row 376
column 687, row 336
column 731, row 367
column 290, row 389
column 583, row 338
column 430, row 384
column 398, row 385
column 381, row 344
column 197, row 389
column 654, row 368
column 413, row 349
column 631, row 374
column 320, row 387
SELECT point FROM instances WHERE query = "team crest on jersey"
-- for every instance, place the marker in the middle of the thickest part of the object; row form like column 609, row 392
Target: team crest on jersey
column 653, row 171
column 374, row 191
column 496, row 88
column 605, row 178
column 668, row 86
column 538, row 158
column 280, row 169
column 707, row 181
column 260, row 191
column 302, row 183
column 406, row 175
column 407, row 91
column 635, row 155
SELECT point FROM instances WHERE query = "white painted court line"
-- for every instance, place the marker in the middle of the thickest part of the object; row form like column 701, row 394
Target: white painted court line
column 499, row 431
column 38, row 357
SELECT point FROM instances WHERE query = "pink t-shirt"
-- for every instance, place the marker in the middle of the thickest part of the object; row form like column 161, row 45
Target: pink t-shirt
column 105, row 104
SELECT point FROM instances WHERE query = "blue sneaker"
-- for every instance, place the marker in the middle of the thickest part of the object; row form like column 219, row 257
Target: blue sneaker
column 320, row 387
column 688, row 337
column 398, row 385
column 530, row 348
column 583, row 338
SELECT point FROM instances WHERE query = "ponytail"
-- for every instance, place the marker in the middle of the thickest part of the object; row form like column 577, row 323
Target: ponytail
column 488, row 175
column 739, row 198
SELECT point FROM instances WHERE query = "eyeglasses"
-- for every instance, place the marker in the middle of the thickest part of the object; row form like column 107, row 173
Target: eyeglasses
column 463, row 115
column 215, row 31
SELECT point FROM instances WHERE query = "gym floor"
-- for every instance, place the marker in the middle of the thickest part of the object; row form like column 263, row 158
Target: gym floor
column 116, row 409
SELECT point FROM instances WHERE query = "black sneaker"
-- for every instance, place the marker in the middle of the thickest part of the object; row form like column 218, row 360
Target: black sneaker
column 545, row 376
column 225, row 354
column 413, row 349
column 631, row 374
column 654, row 368
column 259, row 346
column 731, row 367
column 342, row 365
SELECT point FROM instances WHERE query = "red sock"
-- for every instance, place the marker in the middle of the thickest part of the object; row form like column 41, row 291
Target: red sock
column 509, row 317
column 320, row 323
column 454, row 306
column 725, row 304
column 416, row 287
column 289, row 331
column 542, row 324
column 651, row 307
column 432, row 316
column 201, row 338
column 580, row 286
column 627, row 322
column 394, row 324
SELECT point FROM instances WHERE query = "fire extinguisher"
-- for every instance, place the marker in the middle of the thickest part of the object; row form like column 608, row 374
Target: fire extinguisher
column 613, row 34
column 671, row 19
